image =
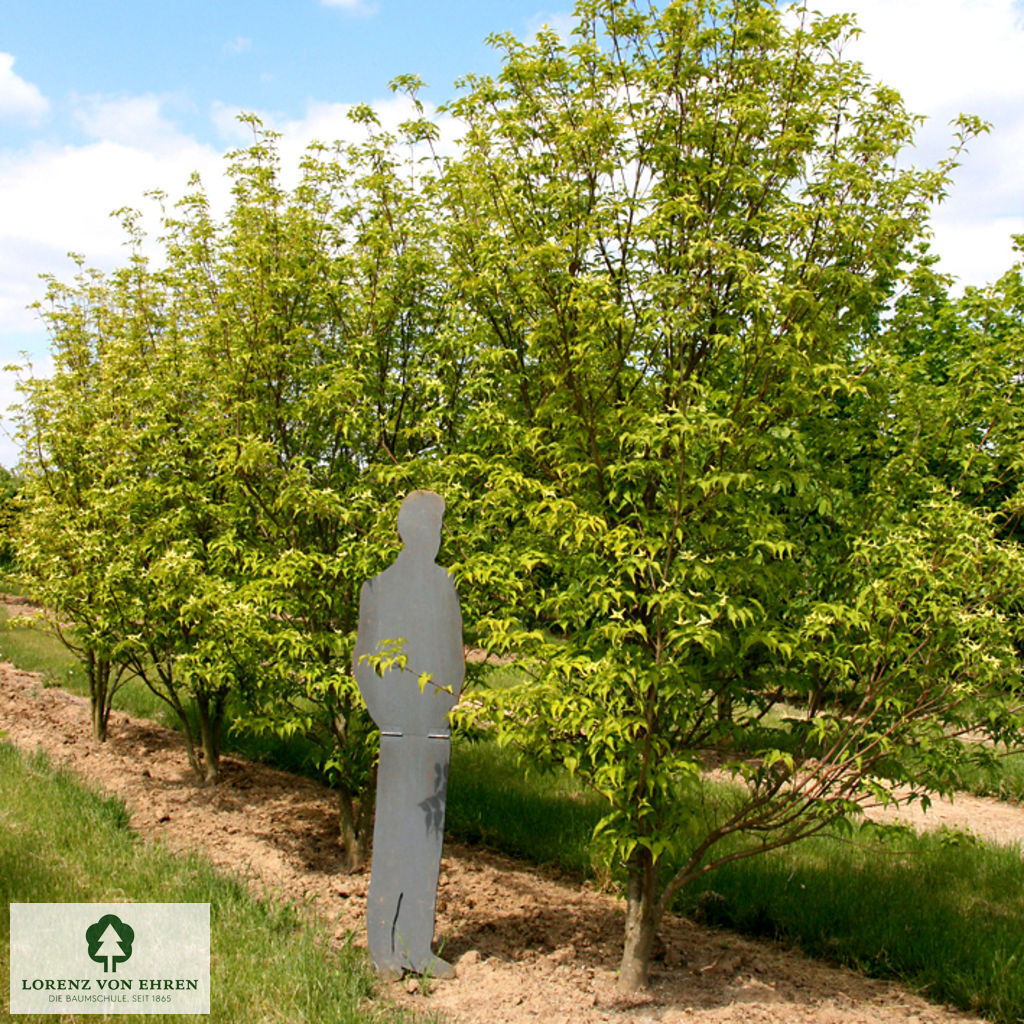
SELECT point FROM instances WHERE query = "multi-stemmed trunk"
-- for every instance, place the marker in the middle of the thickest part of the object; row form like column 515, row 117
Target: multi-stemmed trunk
column 102, row 684
column 211, row 719
column 355, row 823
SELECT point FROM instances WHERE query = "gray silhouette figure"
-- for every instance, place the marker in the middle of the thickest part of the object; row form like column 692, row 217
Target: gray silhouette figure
column 412, row 601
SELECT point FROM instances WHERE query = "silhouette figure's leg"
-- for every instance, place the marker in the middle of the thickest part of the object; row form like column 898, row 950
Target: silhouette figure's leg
column 412, row 783
column 383, row 900
column 423, row 839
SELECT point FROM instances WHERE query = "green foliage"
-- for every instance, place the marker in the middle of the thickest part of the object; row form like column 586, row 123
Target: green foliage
column 213, row 466
column 338, row 379
column 69, row 534
column 10, row 484
column 961, row 417
column 547, row 818
column 678, row 237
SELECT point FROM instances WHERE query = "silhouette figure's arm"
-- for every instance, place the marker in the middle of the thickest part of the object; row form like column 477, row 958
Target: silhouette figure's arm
column 451, row 656
column 366, row 644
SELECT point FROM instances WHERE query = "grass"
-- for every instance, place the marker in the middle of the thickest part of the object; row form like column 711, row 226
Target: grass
column 33, row 649
column 547, row 818
column 1003, row 780
column 941, row 912
column 61, row 842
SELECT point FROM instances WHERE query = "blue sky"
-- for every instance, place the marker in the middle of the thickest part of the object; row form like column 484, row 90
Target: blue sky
column 102, row 101
column 265, row 54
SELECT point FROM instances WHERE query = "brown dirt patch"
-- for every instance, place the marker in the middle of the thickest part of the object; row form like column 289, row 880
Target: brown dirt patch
column 528, row 945
column 986, row 817
column 19, row 607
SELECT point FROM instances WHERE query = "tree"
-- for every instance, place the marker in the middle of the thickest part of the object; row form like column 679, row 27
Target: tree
column 121, row 536
column 70, row 548
column 10, row 484
column 326, row 308
column 676, row 237
column 960, row 408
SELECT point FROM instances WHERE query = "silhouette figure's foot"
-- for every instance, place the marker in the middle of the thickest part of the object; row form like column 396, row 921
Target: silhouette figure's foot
column 434, row 967
column 389, row 972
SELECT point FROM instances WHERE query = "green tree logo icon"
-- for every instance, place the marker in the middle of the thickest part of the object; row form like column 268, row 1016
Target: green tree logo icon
column 110, row 942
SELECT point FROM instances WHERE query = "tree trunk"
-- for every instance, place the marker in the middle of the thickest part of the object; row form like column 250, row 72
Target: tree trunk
column 98, row 671
column 355, row 825
column 367, row 806
column 99, row 722
column 193, row 758
column 167, row 692
column 641, row 921
column 209, row 734
column 724, row 705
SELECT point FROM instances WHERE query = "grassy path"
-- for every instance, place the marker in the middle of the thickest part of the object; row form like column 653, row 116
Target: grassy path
column 61, row 841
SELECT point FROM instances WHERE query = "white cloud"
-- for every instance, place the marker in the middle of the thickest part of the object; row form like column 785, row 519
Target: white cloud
column 946, row 57
column 134, row 121
column 58, row 199
column 939, row 53
column 225, row 119
column 328, row 123
column 976, row 252
column 18, row 98
column 560, row 22
column 240, row 44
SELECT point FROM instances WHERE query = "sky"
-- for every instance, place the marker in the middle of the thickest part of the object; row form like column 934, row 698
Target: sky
column 101, row 102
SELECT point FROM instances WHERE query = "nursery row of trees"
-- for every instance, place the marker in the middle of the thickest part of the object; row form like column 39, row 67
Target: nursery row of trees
column 208, row 464
column 729, row 471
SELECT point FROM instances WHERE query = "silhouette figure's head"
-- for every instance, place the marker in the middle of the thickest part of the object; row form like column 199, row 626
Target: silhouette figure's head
column 419, row 523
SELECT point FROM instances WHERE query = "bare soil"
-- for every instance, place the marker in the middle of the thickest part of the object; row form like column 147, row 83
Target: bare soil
column 19, row 606
column 528, row 944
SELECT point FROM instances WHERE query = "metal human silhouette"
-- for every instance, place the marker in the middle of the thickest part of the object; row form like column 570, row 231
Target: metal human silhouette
column 412, row 606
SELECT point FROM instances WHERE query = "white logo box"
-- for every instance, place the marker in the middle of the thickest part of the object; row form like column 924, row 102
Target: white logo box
column 76, row 958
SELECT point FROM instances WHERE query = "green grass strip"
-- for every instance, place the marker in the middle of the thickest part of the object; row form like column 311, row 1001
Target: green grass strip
column 547, row 819
column 940, row 911
column 34, row 649
column 1003, row 779
column 61, row 842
